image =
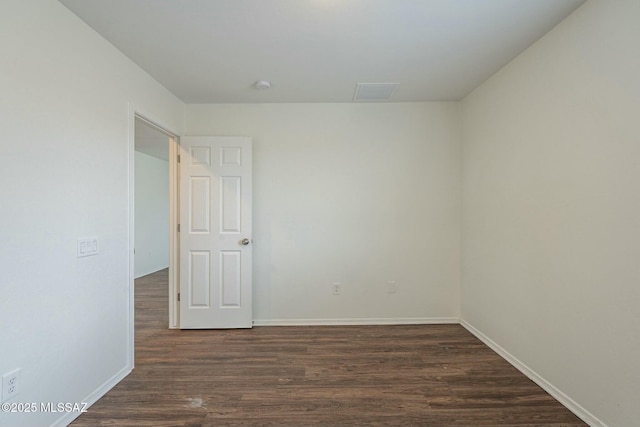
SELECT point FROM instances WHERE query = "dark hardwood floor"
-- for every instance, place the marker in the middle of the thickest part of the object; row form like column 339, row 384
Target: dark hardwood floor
column 423, row 375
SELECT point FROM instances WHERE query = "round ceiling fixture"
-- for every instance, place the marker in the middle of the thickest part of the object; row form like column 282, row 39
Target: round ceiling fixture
column 262, row 84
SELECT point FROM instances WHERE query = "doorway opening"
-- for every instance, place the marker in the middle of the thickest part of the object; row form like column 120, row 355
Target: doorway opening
column 151, row 223
column 154, row 200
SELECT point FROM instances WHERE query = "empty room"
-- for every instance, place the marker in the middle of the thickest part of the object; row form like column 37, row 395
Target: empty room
column 372, row 212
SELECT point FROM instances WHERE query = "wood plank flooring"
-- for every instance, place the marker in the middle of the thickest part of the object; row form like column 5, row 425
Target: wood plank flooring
column 423, row 375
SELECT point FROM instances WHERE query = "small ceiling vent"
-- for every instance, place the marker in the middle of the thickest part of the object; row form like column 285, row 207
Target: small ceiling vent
column 374, row 91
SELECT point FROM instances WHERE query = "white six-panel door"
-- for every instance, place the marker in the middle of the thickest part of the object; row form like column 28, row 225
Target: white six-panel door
column 215, row 232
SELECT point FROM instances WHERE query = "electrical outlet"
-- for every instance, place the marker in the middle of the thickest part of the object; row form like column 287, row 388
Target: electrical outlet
column 336, row 288
column 392, row 287
column 10, row 385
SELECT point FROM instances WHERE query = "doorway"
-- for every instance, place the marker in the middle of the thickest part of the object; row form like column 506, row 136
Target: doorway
column 154, row 206
column 151, row 224
column 226, row 195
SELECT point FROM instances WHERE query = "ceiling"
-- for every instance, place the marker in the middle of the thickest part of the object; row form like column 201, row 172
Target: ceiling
column 213, row 51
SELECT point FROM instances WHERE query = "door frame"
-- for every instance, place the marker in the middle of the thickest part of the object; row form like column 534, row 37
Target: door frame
column 135, row 112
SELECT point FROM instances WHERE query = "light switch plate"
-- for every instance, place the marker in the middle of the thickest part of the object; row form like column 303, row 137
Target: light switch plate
column 87, row 246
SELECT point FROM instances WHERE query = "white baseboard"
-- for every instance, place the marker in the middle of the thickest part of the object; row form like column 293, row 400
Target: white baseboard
column 356, row 321
column 67, row 418
column 565, row 400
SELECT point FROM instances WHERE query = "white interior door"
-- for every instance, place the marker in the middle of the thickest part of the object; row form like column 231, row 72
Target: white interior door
column 215, row 232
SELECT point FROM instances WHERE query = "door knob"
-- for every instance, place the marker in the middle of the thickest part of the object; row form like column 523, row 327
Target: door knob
column 245, row 241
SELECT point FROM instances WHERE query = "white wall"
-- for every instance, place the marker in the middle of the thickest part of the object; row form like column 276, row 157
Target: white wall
column 152, row 214
column 353, row 193
column 64, row 172
column 551, row 209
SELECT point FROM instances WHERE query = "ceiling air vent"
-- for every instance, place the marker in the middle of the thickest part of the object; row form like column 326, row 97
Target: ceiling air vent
column 374, row 91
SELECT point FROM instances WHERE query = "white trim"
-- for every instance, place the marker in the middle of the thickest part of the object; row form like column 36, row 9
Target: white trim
column 131, row 136
column 356, row 321
column 174, row 236
column 67, row 418
column 565, row 400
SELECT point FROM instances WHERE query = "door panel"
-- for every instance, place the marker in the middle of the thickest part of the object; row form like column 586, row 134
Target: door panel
column 230, row 278
column 199, row 204
column 215, row 237
column 231, row 204
column 199, row 274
